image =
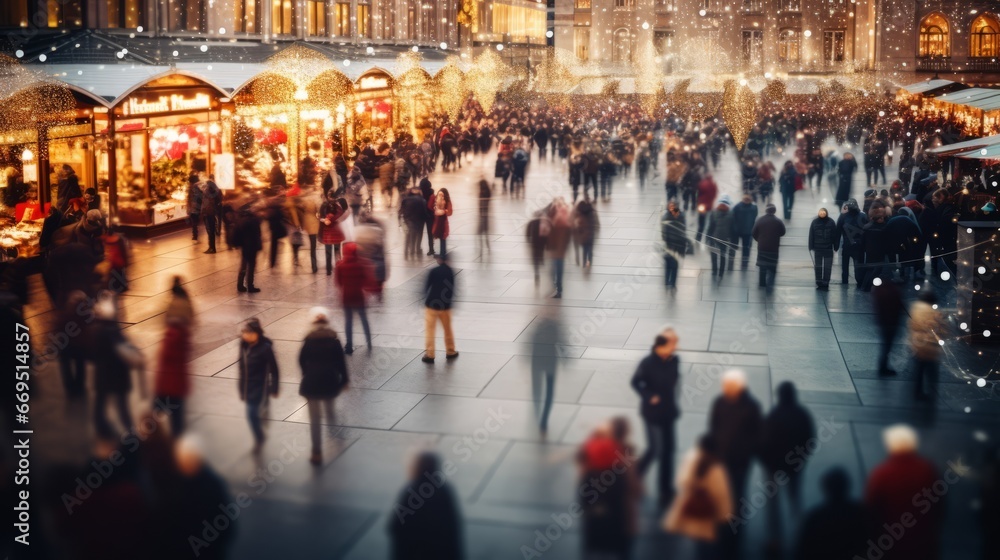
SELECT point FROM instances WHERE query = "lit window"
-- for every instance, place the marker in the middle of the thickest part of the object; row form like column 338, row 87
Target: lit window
column 753, row 6
column 316, row 18
column 984, row 41
column 125, row 14
column 788, row 45
column 246, row 16
column 791, row 5
column 581, row 43
column 621, row 50
column 582, row 4
column 934, row 37
column 282, row 17
column 364, row 21
column 624, row 4
column 343, row 19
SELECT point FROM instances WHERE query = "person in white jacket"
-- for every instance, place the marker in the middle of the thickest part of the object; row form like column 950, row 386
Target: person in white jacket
column 703, row 501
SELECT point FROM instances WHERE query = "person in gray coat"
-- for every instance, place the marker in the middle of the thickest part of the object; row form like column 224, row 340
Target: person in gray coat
column 720, row 236
column 767, row 232
column 744, row 216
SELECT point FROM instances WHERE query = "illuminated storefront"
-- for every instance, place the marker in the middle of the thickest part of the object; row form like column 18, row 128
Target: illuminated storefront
column 374, row 105
column 164, row 132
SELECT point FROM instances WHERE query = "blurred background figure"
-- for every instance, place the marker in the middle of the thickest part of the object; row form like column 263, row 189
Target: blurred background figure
column 656, row 381
column 888, row 303
column 785, row 436
column 324, row 375
column 115, row 358
column 537, row 232
column 557, row 242
column 258, row 380
column 354, row 277
column 172, row 384
column 611, row 514
column 545, row 356
column 837, row 528
column 246, row 236
column 927, row 328
column 734, row 423
column 420, row 527
column 673, row 229
column 897, row 500
column 585, row 226
column 483, row 228
column 704, row 503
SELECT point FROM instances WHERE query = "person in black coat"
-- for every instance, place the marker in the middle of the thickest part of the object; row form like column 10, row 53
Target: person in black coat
column 439, row 292
column 850, row 229
column 428, row 193
column 784, row 450
column 944, row 239
column 324, row 375
column 905, row 243
column 114, row 359
column 422, row 527
column 845, row 174
column 258, row 378
column 276, row 224
column 735, row 423
column 837, row 528
column 744, row 217
column 767, row 232
column 68, row 187
column 413, row 213
column 246, row 236
column 546, row 339
column 673, row 230
column 823, row 242
column 876, row 247
column 889, row 307
column 656, row 382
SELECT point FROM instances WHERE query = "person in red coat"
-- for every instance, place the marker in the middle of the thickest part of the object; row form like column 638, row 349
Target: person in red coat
column 707, row 191
column 354, row 277
column 905, row 499
column 172, row 384
column 331, row 213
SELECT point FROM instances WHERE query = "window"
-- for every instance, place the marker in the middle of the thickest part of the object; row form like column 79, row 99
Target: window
column 411, row 22
column 246, row 16
column 519, row 21
column 984, row 40
column 364, row 20
column 582, row 4
column 65, row 13
column 621, row 50
column 666, row 5
column 186, row 15
column 581, row 43
column 342, row 19
column 753, row 47
column 791, row 5
column 788, row 45
column 125, row 14
column 624, row 4
column 13, row 14
column 833, row 46
column 282, row 17
column 387, row 12
column 934, row 37
column 753, row 6
column 428, row 22
column 663, row 41
column 316, row 18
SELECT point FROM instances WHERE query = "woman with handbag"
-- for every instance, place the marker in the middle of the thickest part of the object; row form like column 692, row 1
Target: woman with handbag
column 704, row 501
column 442, row 209
column 258, row 380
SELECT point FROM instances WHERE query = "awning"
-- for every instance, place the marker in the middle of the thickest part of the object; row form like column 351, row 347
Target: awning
column 967, row 145
column 931, row 87
column 968, row 96
column 988, row 152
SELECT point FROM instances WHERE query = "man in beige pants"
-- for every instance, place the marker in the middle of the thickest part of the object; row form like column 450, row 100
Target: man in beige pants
column 440, row 291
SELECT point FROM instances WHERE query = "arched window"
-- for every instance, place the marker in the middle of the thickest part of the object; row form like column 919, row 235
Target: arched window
column 984, row 39
column 622, row 46
column 788, row 45
column 934, row 37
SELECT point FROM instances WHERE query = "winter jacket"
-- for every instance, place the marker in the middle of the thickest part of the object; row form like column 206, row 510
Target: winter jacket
column 904, row 238
column 823, row 235
column 559, row 237
column 439, row 289
column 835, row 530
column 657, row 377
column 331, row 234
column 720, row 227
column 305, row 213
column 172, row 366
column 112, row 374
column 736, row 426
column 441, row 211
column 353, row 276
column 324, row 371
column 926, row 328
column 673, row 230
column 246, row 235
column 898, row 487
column 744, row 216
column 194, row 198
column 767, row 232
column 276, row 218
column 850, row 226
column 412, row 210
column 355, row 186
column 788, row 426
column 715, row 484
column 585, row 223
column 258, row 369
column 707, row 190
column 432, row 530
column 211, row 199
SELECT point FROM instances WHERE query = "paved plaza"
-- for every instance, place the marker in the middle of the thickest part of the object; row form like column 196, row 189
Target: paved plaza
column 478, row 410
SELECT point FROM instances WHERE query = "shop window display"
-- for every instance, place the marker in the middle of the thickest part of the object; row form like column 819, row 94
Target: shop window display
column 20, row 215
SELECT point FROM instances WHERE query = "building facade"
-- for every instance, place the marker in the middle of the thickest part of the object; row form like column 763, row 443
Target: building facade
column 777, row 36
column 955, row 38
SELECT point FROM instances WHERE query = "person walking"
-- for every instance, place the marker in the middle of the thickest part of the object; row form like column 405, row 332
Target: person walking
column 429, row 202
column 441, row 209
column 557, row 242
column 610, row 517
column 483, row 227
column 115, row 358
column 275, row 215
column 324, row 375
column 67, row 187
column 258, row 376
column 705, row 500
column 744, row 217
column 887, row 300
column 546, row 340
column 835, row 529
column 585, row 227
column 734, row 422
column 876, row 246
column 850, row 229
column 846, row 169
column 433, row 530
column 824, row 241
column 655, row 380
column 927, row 328
column 247, row 237
column 719, row 236
column 767, row 232
column 194, row 200
column 788, row 182
column 304, row 211
column 787, row 429
column 211, row 209
column 331, row 214
column 173, row 384
column 537, row 233
column 707, row 191
column 439, row 295
column 413, row 214
column 356, row 185
column 894, row 488
column 673, row 231
column 354, row 277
